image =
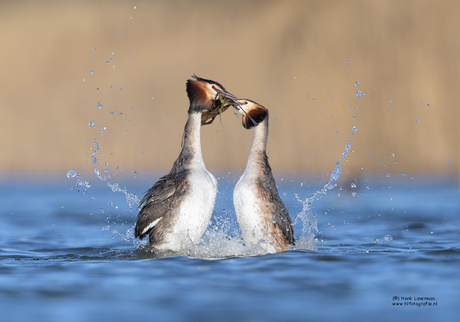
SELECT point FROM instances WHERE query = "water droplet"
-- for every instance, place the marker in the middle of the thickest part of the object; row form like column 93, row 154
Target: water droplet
column 107, row 62
column 388, row 175
column 83, row 183
column 376, row 241
column 355, row 128
column 62, row 206
column 404, row 174
column 71, row 174
column 136, row 173
column 449, row 162
column 358, row 94
column 112, row 52
column 100, row 105
column 357, row 83
column 91, row 124
column 354, row 117
column 388, row 238
column 412, row 178
column 97, row 89
column 91, row 72
column 94, row 49
column 347, row 62
column 353, row 194
column 106, row 227
column 333, row 227
column 428, row 105
column 356, row 107
column 134, row 7
column 348, row 146
column 353, row 185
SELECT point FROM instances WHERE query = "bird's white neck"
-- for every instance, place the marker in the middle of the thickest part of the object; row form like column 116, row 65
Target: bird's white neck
column 259, row 144
column 191, row 146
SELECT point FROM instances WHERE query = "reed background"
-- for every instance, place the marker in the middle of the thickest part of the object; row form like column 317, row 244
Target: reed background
column 300, row 59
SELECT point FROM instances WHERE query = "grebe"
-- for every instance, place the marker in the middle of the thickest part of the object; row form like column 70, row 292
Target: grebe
column 177, row 209
column 260, row 212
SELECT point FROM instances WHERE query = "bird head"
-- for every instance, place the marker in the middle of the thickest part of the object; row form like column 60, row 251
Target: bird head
column 253, row 113
column 208, row 97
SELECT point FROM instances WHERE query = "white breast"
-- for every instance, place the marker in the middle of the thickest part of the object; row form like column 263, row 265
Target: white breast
column 194, row 212
column 249, row 214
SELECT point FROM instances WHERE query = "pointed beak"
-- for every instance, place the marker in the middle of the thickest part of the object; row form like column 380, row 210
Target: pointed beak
column 229, row 96
column 225, row 99
column 235, row 102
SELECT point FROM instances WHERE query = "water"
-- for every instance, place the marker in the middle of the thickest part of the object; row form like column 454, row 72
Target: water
column 66, row 254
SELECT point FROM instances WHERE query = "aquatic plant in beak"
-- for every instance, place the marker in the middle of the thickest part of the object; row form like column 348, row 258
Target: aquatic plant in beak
column 223, row 100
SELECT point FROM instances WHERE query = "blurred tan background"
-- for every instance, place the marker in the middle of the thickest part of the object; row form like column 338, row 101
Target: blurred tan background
column 300, row 59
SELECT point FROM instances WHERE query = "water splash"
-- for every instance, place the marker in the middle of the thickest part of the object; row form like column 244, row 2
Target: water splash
column 106, row 176
column 222, row 239
column 131, row 198
column 309, row 220
column 80, row 183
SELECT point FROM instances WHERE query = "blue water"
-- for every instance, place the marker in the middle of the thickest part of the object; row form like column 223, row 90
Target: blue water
column 67, row 254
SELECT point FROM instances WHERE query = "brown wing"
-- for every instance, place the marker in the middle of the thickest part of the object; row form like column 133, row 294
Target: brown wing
column 158, row 202
column 280, row 223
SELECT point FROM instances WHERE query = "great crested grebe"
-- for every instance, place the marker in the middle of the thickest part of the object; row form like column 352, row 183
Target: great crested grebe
column 260, row 212
column 177, row 209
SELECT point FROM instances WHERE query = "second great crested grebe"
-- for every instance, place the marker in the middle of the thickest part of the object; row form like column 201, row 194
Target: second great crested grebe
column 261, row 214
column 176, row 211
